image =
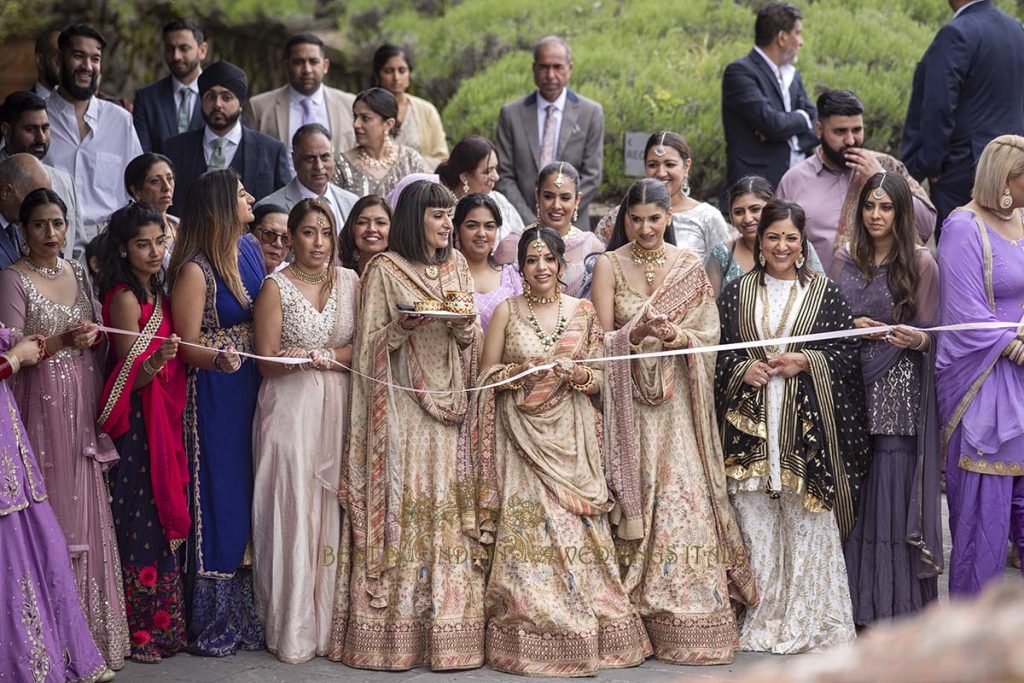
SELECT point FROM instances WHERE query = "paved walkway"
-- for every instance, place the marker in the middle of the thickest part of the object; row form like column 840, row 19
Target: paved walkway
column 262, row 667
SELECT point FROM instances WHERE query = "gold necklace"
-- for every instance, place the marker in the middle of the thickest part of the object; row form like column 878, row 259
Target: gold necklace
column 431, row 272
column 648, row 259
column 317, row 279
column 534, row 299
column 546, row 339
column 773, row 349
column 390, row 155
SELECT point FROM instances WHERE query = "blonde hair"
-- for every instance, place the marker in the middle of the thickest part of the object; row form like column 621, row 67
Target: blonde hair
column 1001, row 160
column 211, row 227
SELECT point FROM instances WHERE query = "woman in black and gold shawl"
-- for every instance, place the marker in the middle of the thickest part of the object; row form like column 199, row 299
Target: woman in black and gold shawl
column 793, row 429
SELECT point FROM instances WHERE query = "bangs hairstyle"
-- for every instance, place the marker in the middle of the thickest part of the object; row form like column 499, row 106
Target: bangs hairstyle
column 347, row 241
column 645, row 191
column 902, row 274
column 297, row 216
column 669, row 139
column 775, row 211
column 138, row 168
column 475, row 200
column 548, row 236
column 37, row 198
column 211, row 227
column 124, row 226
column 406, row 237
column 1000, row 161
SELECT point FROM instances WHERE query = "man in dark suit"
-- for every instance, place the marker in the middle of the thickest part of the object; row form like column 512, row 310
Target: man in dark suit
column 260, row 160
column 551, row 124
column 171, row 105
column 767, row 115
column 967, row 91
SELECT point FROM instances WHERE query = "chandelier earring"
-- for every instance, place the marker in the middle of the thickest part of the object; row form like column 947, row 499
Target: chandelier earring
column 526, row 287
column 576, row 215
column 1006, row 201
column 684, row 189
column 24, row 247
column 122, row 253
column 800, row 262
column 465, row 187
column 761, row 259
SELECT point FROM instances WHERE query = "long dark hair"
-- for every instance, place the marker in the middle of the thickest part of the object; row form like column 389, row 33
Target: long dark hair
column 114, row 269
column 347, row 243
column 475, row 200
column 406, row 237
column 774, row 211
column 902, row 276
column 548, row 236
column 644, row 191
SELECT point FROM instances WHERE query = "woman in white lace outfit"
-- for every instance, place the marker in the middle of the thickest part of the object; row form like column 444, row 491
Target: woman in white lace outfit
column 305, row 311
column 796, row 450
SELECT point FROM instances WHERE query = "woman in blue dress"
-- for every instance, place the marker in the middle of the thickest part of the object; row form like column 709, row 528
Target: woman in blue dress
column 216, row 272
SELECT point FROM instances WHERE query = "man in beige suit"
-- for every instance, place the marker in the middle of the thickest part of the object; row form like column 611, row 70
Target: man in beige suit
column 279, row 113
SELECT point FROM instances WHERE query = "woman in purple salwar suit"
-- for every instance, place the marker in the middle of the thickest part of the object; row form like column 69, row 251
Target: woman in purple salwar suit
column 979, row 373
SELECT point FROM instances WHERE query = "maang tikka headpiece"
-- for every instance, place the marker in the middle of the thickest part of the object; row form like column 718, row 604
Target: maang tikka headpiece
column 878, row 192
column 538, row 243
column 659, row 151
column 559, row 181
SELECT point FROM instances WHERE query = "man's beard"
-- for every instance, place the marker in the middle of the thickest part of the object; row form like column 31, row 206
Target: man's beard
column 29, row 150
column 185, row 70
column 51, row 75
column 838, row 158
column 68, row 85
column 229, row 124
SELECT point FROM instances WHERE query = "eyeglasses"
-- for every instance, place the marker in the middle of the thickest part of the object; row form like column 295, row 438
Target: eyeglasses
column 270, row 237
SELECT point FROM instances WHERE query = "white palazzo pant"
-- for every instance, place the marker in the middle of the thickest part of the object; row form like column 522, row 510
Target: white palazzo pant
column 797, row 557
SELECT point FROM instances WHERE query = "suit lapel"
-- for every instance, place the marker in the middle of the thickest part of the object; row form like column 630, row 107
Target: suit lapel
column 281, row 106
column 569, row 116
column 768, row 75
column 528, row 120
column 245, row 156
column 292, row 195
column 167, row 108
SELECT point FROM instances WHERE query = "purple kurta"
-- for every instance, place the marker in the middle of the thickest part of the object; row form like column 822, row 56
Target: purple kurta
column 486, row 303
column 43, row 632
column 979, row 398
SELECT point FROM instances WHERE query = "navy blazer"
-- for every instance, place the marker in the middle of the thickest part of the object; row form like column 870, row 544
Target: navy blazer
column 155, row 115
column 967, row 91
column 261, row 161
column 757, row 125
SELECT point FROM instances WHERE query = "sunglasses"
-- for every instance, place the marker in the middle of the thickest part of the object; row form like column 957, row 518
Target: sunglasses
column 270, row 237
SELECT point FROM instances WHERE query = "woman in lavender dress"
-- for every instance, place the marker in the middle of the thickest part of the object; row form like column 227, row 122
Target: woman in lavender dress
column 477, row 224
column 979, row 373
column 59, row 402
column 43, row 632
column 894, row 554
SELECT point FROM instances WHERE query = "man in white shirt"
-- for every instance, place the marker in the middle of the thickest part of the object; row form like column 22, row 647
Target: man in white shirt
column 553, row 123
column 305, row 99
column 313, row 158
column 92, row 139
column 171, row 105
column 26, row 130
column 47, row 64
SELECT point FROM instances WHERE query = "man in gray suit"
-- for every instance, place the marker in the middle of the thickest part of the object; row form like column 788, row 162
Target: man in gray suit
column 551, row 124
column 305, row 99
column 25, row 126
column 313, row 157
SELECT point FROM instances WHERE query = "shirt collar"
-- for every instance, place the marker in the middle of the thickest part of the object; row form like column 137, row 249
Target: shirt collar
column 817, row 164
column 779, row 71
column 316, row 98
column 233, row 136
column 179, row 86
column 960, row 11
column 309, row 194
column 542, row 103
column 42, row 90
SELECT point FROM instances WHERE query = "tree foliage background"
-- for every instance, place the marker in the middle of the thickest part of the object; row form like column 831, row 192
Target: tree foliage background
column 653, row 64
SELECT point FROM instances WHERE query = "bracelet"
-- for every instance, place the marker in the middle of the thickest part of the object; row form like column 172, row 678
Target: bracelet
column 13, row 361
column 588, row 385
column 147, row 366
column 923, row 345
column 216, row 361
column 510, row 371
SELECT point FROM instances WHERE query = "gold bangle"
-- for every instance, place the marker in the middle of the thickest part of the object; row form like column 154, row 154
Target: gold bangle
column 147, row 366
column 586, row 386
column 510, row 371
column 13, row 361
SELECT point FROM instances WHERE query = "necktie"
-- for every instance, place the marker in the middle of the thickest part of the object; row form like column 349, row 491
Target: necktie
column 184, row 110
column 307, row 111
column 547, row 145
column 217, row 158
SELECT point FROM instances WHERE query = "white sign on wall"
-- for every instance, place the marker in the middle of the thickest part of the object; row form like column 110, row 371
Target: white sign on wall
column 634, row 153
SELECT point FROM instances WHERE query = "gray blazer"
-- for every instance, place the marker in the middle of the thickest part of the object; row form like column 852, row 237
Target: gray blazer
column 580, row 143
column 291, row 194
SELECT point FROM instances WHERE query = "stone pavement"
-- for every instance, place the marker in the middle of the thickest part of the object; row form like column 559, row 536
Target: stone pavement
column 262, row 667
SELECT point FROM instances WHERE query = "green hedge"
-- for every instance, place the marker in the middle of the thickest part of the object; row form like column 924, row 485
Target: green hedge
column 652, row 64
